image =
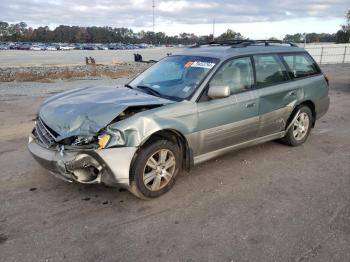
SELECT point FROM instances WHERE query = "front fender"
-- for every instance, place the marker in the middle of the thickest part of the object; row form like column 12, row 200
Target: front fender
column 181, row 117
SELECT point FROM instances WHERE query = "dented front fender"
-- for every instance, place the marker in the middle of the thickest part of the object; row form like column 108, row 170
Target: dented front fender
column 181, row 117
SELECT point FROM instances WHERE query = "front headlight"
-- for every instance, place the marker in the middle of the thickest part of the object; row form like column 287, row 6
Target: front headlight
column 103, row 141
column 113, row 138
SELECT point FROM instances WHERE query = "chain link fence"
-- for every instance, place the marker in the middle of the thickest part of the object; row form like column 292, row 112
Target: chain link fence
column 330, row 54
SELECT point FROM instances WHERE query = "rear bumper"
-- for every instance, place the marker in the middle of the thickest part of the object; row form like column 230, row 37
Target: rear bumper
column 107, row 166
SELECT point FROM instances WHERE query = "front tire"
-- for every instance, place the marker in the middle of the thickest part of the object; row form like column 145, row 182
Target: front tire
column 300, row 129
column 155, row 168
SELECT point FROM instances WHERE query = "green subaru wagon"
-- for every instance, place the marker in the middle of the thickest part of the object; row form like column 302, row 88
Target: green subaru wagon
column 185, row 109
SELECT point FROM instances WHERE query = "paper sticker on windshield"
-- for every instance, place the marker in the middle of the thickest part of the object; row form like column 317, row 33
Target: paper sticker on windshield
column 188, row 64
column 202, row 64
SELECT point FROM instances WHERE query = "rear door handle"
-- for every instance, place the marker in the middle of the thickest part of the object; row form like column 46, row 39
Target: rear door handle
column 250, row 105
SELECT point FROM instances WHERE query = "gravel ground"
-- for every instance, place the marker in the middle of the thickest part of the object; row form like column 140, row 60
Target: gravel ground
column 265, row 203
column 47, row 74
column 24, row 58
column 20, row 65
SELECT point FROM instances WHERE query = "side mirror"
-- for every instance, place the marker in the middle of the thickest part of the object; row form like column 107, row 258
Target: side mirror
column 219, row 91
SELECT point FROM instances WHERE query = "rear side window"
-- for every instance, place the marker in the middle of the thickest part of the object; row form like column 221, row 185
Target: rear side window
column 269, row 70
column 300, row 65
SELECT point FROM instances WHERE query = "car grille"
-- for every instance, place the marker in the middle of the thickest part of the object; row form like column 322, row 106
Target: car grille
column 43, row 134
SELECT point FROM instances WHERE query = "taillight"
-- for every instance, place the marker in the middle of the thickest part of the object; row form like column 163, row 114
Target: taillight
column 327, row 79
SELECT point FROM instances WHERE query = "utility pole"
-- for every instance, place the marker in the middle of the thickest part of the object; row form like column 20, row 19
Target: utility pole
column 214, row 29
column 153, row 39
column 153, row 6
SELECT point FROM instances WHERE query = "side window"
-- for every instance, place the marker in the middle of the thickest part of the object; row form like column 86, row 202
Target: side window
column 236, row 73
column 268, row 70
column 300, row 65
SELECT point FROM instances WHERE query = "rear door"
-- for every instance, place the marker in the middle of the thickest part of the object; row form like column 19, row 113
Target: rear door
column 277, row 95
column 234, row 119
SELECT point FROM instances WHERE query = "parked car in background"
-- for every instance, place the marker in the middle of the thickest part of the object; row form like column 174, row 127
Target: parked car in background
column 114, row 46
column 4, row 47
column 13, row 46
column 78, row 46
column 142, row 45
column 24, row 47
column 89, row 47
column 35, row 48
column 65, row 47
column 102, row 47
column 51, row 48
column 38, row 47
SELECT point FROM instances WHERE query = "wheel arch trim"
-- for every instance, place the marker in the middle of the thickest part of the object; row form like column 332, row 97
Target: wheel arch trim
column 181, row 140
column 294, row 113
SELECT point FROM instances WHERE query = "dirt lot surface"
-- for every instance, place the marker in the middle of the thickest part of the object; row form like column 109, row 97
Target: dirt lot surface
column 24, row 58
column 265, row 203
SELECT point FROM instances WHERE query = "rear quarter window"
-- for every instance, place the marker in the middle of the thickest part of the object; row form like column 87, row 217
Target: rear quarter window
column 300, row 65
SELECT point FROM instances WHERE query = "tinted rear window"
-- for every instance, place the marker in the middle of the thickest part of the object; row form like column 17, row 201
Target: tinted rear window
column 300, row 65
column 269, row 70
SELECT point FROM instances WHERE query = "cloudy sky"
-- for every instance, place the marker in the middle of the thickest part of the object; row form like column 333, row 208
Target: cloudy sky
column 254, row 18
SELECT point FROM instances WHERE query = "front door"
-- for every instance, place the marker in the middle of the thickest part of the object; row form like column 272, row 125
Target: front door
column 232, row 120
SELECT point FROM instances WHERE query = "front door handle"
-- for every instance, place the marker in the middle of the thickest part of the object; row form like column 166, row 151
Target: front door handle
column 249, row 105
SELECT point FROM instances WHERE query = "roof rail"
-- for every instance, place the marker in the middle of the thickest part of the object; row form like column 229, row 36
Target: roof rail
column 243, row 43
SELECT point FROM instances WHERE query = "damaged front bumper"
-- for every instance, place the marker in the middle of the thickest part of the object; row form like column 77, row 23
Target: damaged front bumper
column 89, row 166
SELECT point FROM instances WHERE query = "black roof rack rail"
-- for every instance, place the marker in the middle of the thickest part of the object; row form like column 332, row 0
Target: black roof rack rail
column 267, row 42
column 243, row 43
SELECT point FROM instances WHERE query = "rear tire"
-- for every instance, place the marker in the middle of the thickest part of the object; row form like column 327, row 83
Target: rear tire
column 155, row 168
column 300, row 129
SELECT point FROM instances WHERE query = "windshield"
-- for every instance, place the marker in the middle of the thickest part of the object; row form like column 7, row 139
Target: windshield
column 174, row 77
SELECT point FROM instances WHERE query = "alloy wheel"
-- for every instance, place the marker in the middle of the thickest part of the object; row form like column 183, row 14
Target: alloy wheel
column 159, row 169
column 301, row 126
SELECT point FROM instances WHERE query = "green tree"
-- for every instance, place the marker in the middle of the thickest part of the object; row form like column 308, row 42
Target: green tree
column 42, row 34
column 296, row 38
column 343, row 35
column 3, row 30
column 230, row 35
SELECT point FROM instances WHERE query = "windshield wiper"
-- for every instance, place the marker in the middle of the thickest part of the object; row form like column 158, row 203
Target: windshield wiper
column 128, row 86
column 150, row 90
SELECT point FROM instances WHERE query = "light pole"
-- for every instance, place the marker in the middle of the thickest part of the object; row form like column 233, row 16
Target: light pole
column 214, row 29
column 153, row 6
column 154, row 32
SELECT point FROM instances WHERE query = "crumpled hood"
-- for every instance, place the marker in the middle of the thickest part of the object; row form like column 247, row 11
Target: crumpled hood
column 85, row 111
